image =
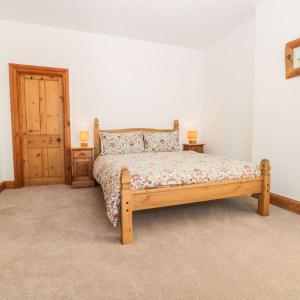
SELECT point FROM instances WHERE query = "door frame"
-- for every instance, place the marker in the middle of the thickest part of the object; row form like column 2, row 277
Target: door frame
column 15, row 70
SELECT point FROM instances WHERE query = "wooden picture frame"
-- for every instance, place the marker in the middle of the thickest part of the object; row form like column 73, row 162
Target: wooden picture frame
column 134, row 200
column 15, row 70
column 292, row 70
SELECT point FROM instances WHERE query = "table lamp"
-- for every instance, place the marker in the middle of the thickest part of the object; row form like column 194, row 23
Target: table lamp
column 192, row 136
column 84, row 139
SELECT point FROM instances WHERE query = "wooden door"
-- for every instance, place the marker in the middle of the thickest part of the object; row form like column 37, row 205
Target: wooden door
column 41, row 111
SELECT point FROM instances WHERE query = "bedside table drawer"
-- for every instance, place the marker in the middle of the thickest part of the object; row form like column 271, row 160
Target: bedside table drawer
column 81, row 159
column 82, row 153
column 194, row 147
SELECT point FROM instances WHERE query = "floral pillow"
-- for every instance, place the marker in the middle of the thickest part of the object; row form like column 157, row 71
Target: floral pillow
column 121, row 143
column 161, row 141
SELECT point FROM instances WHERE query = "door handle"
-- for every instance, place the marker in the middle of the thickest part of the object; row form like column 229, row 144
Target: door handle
column 58, row 140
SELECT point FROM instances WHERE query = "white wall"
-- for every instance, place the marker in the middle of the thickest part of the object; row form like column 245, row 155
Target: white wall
column 229, row 83
column 276, row 130
column 126, row 83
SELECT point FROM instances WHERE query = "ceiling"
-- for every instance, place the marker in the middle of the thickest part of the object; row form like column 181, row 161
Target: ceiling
column 187, row 23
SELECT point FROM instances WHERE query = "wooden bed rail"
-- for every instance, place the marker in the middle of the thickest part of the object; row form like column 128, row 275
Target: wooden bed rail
column 133, row 200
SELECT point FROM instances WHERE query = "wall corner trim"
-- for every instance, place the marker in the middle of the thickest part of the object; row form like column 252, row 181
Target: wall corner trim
column 6, row 185
column 9, row 184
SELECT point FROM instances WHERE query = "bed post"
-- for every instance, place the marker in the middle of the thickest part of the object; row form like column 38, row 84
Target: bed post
column 264, row 197
column 96, row 138
column 126, row 208
column 176, row 125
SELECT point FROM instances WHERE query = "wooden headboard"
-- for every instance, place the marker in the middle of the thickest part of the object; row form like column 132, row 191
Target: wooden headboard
column 97, row 141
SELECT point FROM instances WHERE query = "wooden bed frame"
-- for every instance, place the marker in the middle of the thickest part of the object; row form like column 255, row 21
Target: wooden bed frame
column 133, row 200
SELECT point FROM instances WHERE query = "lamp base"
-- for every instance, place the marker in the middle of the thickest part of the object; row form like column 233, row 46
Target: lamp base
column 192, row 142
column 84, row 145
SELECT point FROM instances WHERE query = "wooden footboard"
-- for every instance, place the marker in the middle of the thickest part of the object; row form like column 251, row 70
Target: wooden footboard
column 133, row 200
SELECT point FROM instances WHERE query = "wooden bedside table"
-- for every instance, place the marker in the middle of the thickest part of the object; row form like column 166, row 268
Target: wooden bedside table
column 82, row 166
column 194, row 147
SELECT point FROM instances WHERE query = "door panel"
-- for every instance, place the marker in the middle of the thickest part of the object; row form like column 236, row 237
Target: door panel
column 54, row 162
column 45, row 162
column 82, row 169
column 41, row 109
column 54, row 107
column 32, row 106
column 35, row 163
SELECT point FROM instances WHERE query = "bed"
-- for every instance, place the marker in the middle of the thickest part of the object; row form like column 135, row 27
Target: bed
column 172, row 178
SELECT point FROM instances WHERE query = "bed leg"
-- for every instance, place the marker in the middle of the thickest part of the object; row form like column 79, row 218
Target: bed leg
column 126, row 208
column 264, row 197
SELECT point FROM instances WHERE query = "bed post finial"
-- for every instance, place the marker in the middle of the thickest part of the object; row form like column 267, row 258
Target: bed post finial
column 126, row 207
column 264, row 197
column 176, row 125
column 96, row 138
column 265, row 167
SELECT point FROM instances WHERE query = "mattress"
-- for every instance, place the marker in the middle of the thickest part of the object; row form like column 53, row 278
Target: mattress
column 153, row 170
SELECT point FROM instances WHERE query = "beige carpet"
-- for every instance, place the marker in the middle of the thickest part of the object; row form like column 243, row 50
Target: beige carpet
column 56, row 243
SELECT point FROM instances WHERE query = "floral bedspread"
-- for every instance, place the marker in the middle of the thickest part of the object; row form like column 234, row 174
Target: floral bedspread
column 151, row 170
